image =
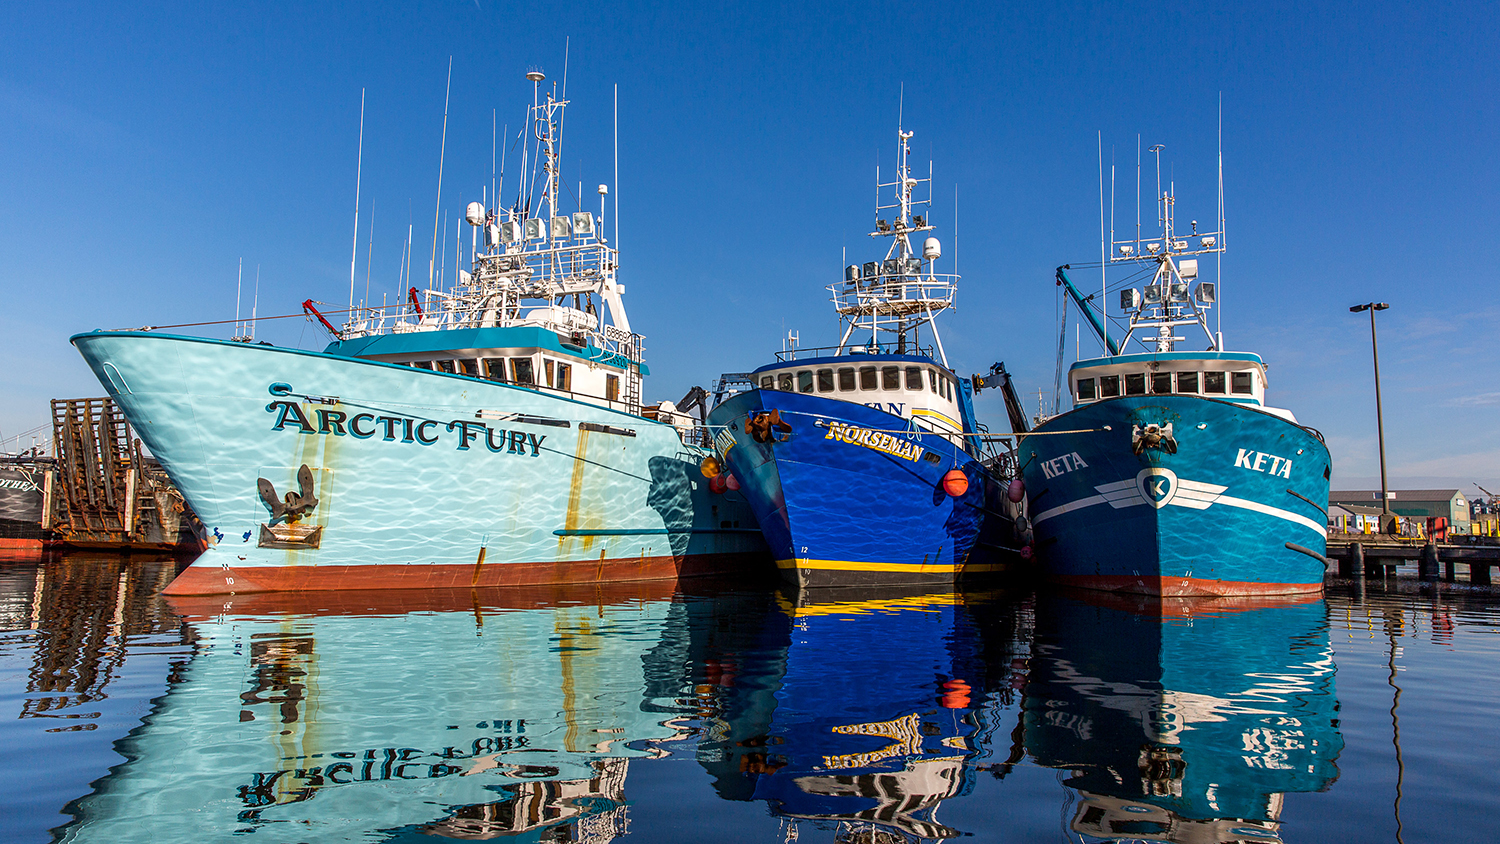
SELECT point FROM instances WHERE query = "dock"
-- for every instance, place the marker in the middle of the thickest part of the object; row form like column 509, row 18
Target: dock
column 1375, row 556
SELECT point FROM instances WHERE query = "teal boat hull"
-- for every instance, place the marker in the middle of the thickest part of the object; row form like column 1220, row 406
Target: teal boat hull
column 414, row 478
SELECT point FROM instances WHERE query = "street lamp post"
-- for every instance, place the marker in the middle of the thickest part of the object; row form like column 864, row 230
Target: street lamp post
column 1385, row 496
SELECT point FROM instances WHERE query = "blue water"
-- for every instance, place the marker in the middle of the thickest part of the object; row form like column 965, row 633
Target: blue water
column 737, row 712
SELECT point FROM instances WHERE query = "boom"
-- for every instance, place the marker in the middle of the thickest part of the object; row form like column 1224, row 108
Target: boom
column 1099, row 329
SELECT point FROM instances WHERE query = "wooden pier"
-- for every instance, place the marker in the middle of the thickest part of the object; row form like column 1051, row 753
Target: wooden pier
column 1372, row 556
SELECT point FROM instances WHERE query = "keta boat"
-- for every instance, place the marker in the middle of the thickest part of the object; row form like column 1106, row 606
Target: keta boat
column 490, row 433
column 863, row 461
column 1183, row 719
column 1171, row 475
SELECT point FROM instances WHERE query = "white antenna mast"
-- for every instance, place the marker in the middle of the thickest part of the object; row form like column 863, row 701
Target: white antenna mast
column 617, row 168
column 1103, row 250
column 432, row 263
column 358, row 171
column 237, row 287
column 255, row 302
column 1223, row 240
column 369, row 251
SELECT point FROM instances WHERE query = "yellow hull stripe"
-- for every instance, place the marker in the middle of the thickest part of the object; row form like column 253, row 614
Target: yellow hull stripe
column 922, row 411
column 912, row 568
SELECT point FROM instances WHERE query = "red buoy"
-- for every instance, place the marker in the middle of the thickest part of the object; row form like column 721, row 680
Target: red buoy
column 955, row 695
column 1026, row 552
column 731, row 482
column 955, row 483
column 717, row 484
column 1017, row 491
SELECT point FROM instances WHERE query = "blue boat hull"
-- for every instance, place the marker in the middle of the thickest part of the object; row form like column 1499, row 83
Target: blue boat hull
column 1183, row 719
column 418, row 478
column 1238, row 509
column 844, row 502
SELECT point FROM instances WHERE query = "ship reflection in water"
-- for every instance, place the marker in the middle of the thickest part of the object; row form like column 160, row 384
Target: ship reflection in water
column 349, row 717
column 867, row 708
column 846, row 715
column 1182, row 719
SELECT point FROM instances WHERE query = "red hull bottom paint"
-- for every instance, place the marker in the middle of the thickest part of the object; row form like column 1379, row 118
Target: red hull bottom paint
column 20, row 549
column 1200, row 606
column 203, row 580
column 1185, row 587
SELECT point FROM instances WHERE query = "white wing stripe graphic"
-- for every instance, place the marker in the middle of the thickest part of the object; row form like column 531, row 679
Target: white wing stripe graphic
column 1194, row 495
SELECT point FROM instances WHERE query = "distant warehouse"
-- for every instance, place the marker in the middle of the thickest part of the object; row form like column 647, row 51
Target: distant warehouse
column 1415, row 503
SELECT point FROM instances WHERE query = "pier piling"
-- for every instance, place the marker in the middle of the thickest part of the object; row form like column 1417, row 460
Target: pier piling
column 1427, row 563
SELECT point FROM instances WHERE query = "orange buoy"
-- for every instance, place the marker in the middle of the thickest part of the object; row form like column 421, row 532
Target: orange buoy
column 731, row 482
column 710, row 467
column 1017, row 491
column 955, row 695
column 955, row 483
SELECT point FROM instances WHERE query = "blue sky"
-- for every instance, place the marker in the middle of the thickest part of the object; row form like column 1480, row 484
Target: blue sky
column 146, row 150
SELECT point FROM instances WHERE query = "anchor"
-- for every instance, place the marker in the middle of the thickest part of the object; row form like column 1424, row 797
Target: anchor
column 289, row 508
column 1152, row 436
column 294, row 505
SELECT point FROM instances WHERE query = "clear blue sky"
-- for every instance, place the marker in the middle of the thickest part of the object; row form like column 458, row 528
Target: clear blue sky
column 147, row 150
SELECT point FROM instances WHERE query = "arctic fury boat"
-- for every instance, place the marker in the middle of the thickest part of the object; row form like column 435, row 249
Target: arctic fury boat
column 1171, row 475
column 486, row 434
column 864, row 462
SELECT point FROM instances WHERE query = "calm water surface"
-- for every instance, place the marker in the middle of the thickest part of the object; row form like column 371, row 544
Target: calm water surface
column 736, row 712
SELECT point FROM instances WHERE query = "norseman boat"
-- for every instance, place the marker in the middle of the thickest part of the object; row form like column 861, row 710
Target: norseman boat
column 1171, row 475
column 864, row 462
column 487, row 434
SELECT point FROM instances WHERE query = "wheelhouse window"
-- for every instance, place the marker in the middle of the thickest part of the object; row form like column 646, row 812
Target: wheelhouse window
column 768, row 382
column 447, row 366
column 564, row 377
column 470, row 367
column 1109, row 386
column 1161, row 382
column 932, row 380
column 867, row 380
column 825, row 380
column 494, row 369
column 805, row 381
column 521, row 371
column 1187, row 382
column 612, row 387
column 547, row 371
column 1135, row 384
column 890, row 377
column 784, row 382
column 1240, row 383
column 913, row 378
column 846, row 379
column 1213, row 382
column 1085, row 389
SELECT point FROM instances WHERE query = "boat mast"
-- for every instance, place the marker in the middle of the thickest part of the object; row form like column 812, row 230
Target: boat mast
column 898, row 291
column 1170, row 299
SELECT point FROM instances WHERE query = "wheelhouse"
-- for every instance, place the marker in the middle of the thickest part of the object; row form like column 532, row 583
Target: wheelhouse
column 1238, row 377
column 909, row 386
column 534, row 357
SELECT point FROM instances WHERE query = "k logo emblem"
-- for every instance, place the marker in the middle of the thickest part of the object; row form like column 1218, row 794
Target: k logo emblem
column 1157, row 486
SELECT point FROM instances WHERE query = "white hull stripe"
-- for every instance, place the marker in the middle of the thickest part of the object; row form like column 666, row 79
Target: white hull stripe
column 1191, row 494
